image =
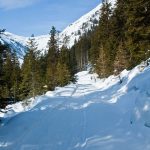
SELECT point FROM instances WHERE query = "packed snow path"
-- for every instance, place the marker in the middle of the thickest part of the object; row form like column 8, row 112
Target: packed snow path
column 89, row 115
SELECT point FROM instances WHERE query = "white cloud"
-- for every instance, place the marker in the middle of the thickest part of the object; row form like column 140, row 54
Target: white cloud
column 13, row 4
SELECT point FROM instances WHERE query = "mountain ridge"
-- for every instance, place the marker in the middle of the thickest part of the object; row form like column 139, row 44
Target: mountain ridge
column 72, row 32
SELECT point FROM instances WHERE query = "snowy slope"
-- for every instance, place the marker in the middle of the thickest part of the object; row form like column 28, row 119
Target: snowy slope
column 72, row 32
column 82, row 25
column 76, row 29
column 17, row 43
column 93, row 114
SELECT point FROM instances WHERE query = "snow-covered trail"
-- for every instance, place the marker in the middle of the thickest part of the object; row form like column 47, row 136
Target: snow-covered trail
column 90, row 115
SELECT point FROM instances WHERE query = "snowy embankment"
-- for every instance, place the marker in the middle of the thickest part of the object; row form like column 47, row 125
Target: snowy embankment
column 92, row 114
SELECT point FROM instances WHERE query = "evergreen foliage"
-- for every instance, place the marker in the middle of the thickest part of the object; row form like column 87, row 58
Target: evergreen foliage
column 121, row 40
column 94, row 51
column 31, row 85
column 62, row 74
column 121, row 61
column 52, row 58
column 3, row 50
column 138, row 30
column 9, row 73
column 104, row 64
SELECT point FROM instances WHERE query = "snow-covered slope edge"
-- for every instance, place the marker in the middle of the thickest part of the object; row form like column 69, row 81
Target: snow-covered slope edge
column 134, row 89
column 92, row 114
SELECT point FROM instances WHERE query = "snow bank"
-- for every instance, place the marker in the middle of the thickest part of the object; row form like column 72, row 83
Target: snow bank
column 92, row 114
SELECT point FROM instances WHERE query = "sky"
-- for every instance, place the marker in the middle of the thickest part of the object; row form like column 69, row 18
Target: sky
column 26, row 17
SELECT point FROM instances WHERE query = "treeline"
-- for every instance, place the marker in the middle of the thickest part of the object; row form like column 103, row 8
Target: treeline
column 120, row 41
column 39, row 72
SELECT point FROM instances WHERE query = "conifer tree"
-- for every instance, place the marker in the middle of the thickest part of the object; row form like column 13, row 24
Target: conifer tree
column 103, row 65
column 64, row 55
column 3, row 50
column 16, row 76
column 72, row 63
column 82, row 51
column 9, row 73
column 118, row 21
column 138, row 30
column 7, row 76
column 121, row 60
column 30, row 71
column 42, row 63
column 94, row 49
column 117, row 28
column 52, row 57
column 62, row 74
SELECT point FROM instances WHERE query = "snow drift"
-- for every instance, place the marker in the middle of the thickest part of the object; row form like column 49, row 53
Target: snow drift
column 92, row 114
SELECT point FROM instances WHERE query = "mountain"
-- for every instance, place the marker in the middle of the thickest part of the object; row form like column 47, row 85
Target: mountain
column 15, row 42
column 72, row 32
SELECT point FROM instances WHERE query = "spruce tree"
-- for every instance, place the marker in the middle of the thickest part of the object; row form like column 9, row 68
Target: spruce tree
column 62, row 74
column 72, row 63
column 63, row 70
column 52, row 57
column 104, row 64
column 138, row 30
column 16, row 76
column 121, row 59
column 30, row 71
column 118, row 21
column 101, row 64
column 3, row 51
column 94, row 49
column 7, row 75
column 42, row 63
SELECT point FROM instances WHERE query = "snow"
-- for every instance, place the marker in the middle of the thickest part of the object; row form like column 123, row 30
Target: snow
column 16, row 43
column 71, row 31
column 92, row 114
column 82, row 25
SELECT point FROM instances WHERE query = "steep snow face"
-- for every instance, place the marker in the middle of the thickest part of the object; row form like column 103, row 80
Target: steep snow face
column 82, row 25
column 92, row 114
column 15, row 42
column 79, row 27
column 74, row 30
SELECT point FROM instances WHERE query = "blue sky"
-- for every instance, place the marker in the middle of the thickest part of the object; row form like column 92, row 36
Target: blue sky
column 24, row 17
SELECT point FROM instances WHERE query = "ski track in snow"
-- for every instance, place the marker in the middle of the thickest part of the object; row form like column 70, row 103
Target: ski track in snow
column 92, row 114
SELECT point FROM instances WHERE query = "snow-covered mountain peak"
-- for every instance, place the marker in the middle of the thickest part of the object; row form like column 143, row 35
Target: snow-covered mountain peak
column 72, row 32
column 14, row 37
column 82, row 25
column 15, row 42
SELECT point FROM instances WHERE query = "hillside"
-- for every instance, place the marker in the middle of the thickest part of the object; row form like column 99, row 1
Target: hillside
column 72, row 32
column 92, row 114
column 15, row 42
